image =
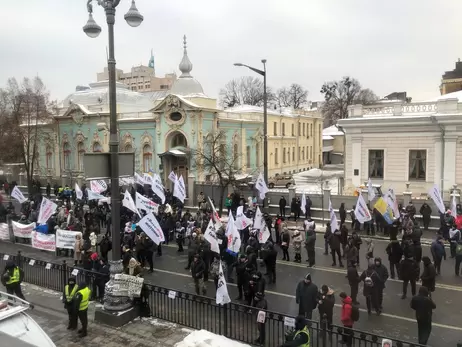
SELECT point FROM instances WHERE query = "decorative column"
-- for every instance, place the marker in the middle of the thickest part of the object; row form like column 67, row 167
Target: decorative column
column 407, row 195
column 190, row 192
column 326, row 192
column 356, row 150
column 455, row 193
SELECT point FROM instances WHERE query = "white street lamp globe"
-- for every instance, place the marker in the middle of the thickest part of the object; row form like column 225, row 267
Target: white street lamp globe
column 133, row 17
column 91, row 28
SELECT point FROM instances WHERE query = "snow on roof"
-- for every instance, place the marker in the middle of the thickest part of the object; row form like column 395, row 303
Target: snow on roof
column 327, row 137
column 204, row 338
column 333, row 130
column 249, row 109
column 453, row 95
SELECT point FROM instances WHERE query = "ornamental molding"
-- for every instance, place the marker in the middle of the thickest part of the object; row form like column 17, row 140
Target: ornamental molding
column 79, row 137
column 173, row 123
column 146, row 139
column 96, row 139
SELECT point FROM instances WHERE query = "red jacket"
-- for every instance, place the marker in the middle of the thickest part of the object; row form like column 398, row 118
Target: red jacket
column 458, row 221
column 347, row 308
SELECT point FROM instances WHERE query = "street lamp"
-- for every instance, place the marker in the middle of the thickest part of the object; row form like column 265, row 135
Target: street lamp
column 134, row 19
column 265, row 119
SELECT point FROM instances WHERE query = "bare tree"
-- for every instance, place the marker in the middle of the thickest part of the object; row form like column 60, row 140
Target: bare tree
column 246, row 90
column 339, row 95
column 295, row 96
column 219, row 160
column 25, row 108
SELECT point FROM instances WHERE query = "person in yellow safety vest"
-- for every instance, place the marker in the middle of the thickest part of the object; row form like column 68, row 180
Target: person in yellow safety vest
column 302, row 335
column 12, row 278
column 70, row 289
column 81, row 302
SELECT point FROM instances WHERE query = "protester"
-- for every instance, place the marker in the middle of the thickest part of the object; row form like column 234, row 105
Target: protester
column 423, row 306
column 306, row 296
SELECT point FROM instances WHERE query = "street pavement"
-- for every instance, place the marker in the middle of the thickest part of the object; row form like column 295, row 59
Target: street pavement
column 51, row 316
column 397, row 320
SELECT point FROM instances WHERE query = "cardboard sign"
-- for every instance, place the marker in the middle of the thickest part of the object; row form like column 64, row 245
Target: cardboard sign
column 261, row 317
column 66, row 238
column 75, row 272
column 171, row 294
column 132, row 285
column 32, row 262
column 48, row 266
column 23, row 230
column 4, row 232
column 43, row 241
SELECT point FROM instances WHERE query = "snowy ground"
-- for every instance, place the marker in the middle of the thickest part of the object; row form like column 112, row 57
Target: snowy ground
column 204, row 338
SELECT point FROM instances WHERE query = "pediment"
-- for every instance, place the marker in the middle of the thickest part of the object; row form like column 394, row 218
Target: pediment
column 76, row 112
column 172, row 103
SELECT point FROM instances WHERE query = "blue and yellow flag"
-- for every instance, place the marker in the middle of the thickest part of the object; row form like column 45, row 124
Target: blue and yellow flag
column 383, row 208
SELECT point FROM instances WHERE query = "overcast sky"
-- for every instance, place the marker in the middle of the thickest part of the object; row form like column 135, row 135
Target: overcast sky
column 388, row 46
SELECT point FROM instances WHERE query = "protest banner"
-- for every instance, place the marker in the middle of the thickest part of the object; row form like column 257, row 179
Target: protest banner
column 47, row 208
column 22, row 230
column 66, row 238
column 44, row 242
column 17, row 194
column 98, row 186
column 127, row 285
column 222, row 296
column 151, row 227
column 4, row 232
column 143, row 203
column 180, row 190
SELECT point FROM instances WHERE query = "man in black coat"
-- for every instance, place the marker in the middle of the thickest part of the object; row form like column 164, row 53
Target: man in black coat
column 197, row 272
column 382, row 273
column 241, row 274
column 306, row 297
column 334, row 242
column 270, row 260
column 409, row 271
column 353, row 281
column 423, row 306
column 395, row 253
column 282, row 206
column 326, row 302
column 428, row 275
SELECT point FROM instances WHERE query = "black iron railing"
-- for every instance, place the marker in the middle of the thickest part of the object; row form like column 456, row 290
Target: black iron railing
column 235, row 321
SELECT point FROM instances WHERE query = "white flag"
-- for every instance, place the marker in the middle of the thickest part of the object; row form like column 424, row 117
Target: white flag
column 333, row 218
column 17, row 194
column 436, row 197
column 147, row 179
column 242, row 221
column 172, row 177
column 258, row 220
column 211, row 237
column 454, row 204
column 94, row 196
column 264, row 234
column 260, row 185
column 151, row 227
column 215, row 216
column 47, row 208
column 78, row 192
column 362, row 213
column 180, row 190
column 139, row 180
column 158, row 188
column 98, row 186
column 392, row 202
column 143, row 203
column 234, row 238
column 129, row 203
column 370, row 191
column 303, row 203
column 222, row 289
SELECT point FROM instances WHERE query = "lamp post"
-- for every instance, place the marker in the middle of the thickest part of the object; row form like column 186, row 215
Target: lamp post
column 265, row 119
column 134, row 19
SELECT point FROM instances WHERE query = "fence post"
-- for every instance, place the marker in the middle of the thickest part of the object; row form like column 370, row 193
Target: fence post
column 225, row 320
column 324, row 327
column 18, row 260
column 64, row 274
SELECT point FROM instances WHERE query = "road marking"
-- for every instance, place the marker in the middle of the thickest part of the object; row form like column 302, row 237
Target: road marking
column 343, row 272
column 445, row 326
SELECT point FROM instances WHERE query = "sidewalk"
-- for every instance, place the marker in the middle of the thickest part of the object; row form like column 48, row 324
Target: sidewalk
column 51, row 316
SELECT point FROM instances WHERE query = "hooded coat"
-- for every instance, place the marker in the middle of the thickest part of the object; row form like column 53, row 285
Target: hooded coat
column 306, row 296
column 428, row 275
column 347, row 309
column 326, row 303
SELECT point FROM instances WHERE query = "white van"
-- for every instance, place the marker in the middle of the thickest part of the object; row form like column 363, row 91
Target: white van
column 17, row 328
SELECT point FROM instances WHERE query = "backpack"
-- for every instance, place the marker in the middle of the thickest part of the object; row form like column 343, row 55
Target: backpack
column 368, row 282
column 354, row 313
column 459, row 249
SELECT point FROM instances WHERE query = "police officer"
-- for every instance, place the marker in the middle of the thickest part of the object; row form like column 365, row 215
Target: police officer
column 301, row 338
column 81, row 302
column 68, row 295
column 12, row 278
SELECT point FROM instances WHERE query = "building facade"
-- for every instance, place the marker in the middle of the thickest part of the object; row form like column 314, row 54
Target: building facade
column 403, row 145
column 164, row 129
column 333, row 146
column 451, row 81
column 141, row 78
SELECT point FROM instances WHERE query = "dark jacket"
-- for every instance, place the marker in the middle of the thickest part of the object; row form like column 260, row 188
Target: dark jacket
column 367, row 291
column 409, row 269
column 394, row 251
column 438, row 250
column 353, row 276
column 428, row 275
column 423, row 306
column 334, row 240
column 326, row 303
column 310, row 241
column 306, row 296
column 382, row 272
column 197, row 269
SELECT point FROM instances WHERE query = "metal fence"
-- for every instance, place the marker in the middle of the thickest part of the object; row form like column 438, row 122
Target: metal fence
column 235, row 321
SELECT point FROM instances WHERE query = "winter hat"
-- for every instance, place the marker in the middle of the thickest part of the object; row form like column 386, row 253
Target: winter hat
column 94, row 256
column 308, row 277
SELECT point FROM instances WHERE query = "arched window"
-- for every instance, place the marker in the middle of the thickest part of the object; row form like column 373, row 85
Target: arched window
column 179, row 140
column 80, row 154
column 97, row 148
column 67, row 156
column 147, row 158
column 49, row 157
column 128, row 148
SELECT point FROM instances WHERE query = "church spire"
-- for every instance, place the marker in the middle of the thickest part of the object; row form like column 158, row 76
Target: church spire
column 151, row 61
column 185, row 65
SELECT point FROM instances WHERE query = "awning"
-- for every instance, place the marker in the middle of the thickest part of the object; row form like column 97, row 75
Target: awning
column 327, row 148
column 175, row 152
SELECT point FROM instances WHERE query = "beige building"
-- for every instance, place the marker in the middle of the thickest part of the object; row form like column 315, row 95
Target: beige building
column 398, row 144
column 451, row 81
column 333, row 147
column 141, row 78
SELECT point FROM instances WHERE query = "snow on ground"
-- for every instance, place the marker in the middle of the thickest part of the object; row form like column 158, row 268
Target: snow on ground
column 204, row 338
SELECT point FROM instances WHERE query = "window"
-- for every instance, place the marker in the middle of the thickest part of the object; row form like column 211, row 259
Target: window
column 179, row 140
column 311, row 130
column 80, row 154
column 376, row 157
column 67, row 156
column 283, row 129
column 175, row 116
column 275, row 129
column 97, row 148
column 299, row 157
column 283, row 155
column 303, row 153
column 163, row 86
column 293, row 153
column 304, row 129
column 247, row 153
column 49, row 157
column 299, row 129
column 417, row 164
column 147, row 158
column 276, row 154
column 311, row 152
column 128, row 148
column 307, row 147
column 293, row 130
